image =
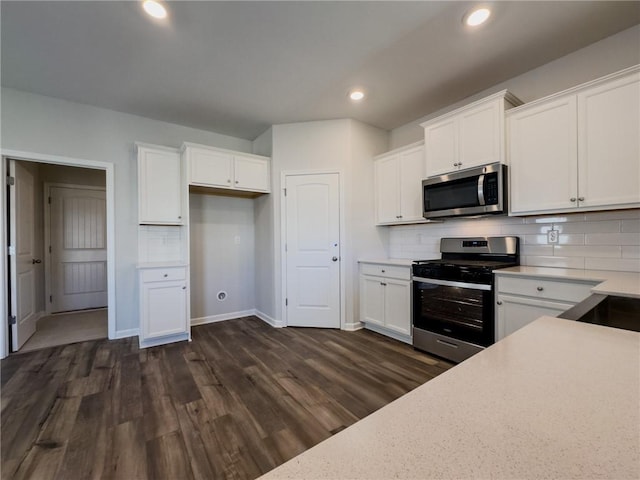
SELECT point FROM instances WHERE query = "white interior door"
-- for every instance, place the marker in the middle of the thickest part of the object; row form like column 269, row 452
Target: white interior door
column 22, row 259
column 78, row 258
column 312, row 216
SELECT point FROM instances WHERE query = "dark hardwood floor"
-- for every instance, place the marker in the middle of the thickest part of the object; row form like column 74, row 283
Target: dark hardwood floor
column 237, row 401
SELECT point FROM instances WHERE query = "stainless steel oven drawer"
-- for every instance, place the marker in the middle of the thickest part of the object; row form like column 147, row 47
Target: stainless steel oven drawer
column 446, row 347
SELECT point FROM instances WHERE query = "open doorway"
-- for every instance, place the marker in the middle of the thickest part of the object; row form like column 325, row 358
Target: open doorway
column 58, row 280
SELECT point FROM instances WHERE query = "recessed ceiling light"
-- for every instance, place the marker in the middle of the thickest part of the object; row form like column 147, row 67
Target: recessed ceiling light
column 356, row 95
column 155, row 9
column 477, row 17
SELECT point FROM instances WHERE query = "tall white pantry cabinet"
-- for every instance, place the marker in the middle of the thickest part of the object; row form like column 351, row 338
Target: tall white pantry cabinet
column 163, row 274
column 164, row 177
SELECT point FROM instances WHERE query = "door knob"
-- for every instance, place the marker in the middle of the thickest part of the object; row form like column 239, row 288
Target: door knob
column 334, row 259
column 35, row 260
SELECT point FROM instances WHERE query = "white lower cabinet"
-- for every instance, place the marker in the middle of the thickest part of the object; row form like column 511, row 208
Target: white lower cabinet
column 522, row 299
column 163, row 305
column 385, row 299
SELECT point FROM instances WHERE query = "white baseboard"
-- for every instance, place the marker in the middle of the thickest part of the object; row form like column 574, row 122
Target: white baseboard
column 352, row 327
column 269, row 320
column 221, row 317
column 389, row 333
column 131, row 332
column 154, row 342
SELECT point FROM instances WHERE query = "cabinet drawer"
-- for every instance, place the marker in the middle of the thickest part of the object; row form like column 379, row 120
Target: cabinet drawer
column 388, row 271
column 163, row 274
column 545, row 289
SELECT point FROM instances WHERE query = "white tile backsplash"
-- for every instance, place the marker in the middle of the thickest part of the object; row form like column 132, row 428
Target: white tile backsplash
column 595, row 240
column 159, row 243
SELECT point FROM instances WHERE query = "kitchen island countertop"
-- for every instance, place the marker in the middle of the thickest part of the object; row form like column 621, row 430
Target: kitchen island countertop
column 556, row 399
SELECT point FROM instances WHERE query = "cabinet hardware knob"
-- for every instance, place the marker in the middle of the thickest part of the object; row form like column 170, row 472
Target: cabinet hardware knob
column 382, row 271
column 399, row 216
column 228, row 180
column 572, row 199
column 179, row 216
column 459, row 164
column 184, row 288
column 236, row 181
column 166, row 275
column 383, row 284
column 499, row 302
column 540, row 289
column 334, row 259
column 581, row 199
column 35, row 260
column 455, row 164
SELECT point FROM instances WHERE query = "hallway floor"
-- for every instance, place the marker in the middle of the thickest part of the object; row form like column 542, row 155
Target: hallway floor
column 65, row 328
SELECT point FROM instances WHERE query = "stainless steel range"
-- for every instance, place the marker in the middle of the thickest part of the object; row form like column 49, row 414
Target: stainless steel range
column 453, row 307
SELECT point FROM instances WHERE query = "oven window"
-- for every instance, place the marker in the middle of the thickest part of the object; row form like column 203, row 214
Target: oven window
column 457, row 312
column 453, row 194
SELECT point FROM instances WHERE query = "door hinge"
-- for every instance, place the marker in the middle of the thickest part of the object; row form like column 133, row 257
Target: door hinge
column 11, row 180
column 12, row 320
column 49, row 248
column 50, row 298
column 11, row 250
column 285, row 192
column 285, row 247
column 286, row 302
column 49, row 200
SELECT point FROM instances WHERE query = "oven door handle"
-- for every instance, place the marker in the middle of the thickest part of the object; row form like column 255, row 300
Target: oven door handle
column 448, row 283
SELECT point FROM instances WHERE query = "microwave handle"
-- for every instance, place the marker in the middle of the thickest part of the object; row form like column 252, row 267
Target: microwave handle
column 481, row 190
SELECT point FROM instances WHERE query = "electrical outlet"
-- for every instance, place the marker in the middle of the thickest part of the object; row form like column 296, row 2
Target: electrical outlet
column 552, row 236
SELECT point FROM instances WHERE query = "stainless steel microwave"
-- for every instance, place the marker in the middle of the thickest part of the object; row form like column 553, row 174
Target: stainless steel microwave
column 475, row 191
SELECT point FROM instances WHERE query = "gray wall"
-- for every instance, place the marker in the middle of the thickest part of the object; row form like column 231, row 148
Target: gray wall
column 596, row 60
column 341, row 145
column 34, row 123
column 222, row 254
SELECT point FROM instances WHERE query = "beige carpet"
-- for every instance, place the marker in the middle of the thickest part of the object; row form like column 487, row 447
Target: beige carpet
column 65, row 328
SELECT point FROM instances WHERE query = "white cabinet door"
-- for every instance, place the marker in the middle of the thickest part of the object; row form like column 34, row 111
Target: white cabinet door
column 441, row 147
column 372, row 308
column 251, row 173
column 411, row 176
column 608, row 147
column 513, row 313
column 164, row 309
column 397, row 305
column 387, row 181
column 543, row 157
column 210, row 168
column 159, row 187
column 481, row 135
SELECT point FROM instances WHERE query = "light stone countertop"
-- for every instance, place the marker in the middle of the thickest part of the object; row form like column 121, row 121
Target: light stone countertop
column 626, row 284
column 556, row 399
column 401, row 262
column 160, row 265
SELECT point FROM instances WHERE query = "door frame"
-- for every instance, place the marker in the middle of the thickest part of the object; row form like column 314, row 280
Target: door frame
column 109, row 168
column 47, row 234
column 283, row 237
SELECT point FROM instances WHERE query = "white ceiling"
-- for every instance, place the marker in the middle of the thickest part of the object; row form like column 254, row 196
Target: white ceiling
column 238, row 67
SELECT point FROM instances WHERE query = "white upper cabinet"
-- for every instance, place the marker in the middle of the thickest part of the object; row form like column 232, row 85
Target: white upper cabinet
column 398, row 185
column 469, row 136
column 579, row 149
column 209, row 168
column 251, row 173
column 225, row 169
column 609, row 143
column 160, row 185
column 546, row 159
